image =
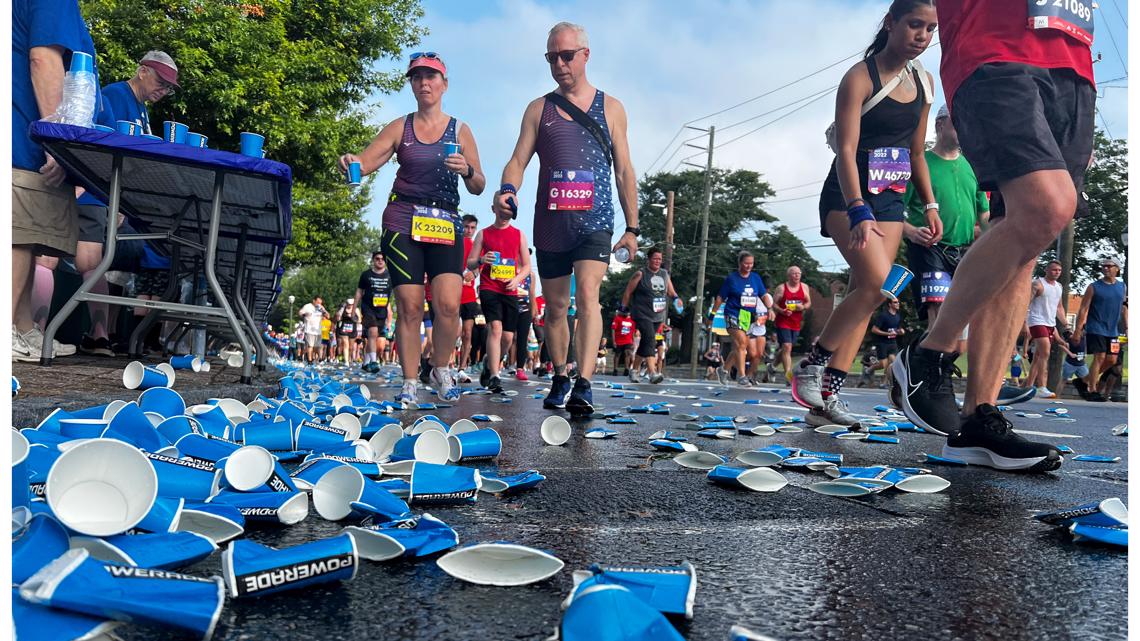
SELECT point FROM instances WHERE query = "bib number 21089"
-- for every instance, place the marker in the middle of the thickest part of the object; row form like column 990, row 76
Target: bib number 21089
column 1072, row 17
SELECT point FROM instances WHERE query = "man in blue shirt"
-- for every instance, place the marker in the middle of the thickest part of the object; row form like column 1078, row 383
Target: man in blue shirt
column 155, row 78
column 44, row 219
column 1100, row 322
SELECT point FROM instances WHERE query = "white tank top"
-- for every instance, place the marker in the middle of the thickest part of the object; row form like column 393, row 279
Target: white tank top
column 1043, row 308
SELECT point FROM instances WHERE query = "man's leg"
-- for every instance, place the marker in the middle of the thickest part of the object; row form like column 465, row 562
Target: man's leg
column 43, row 289
column 87, row 257
column 446, row 290
column 465, row 348
column 1095, row 369
column 23, row 273
column 786, row 356
column 557, row 293
column 494, row 346
column 589, row 274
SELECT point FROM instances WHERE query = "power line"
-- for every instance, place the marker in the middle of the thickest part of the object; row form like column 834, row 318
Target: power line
column 774, row 120
column 1112, row 39
column 1104, row 123
column 772, row 111
column 789, row 200
column 814, row 182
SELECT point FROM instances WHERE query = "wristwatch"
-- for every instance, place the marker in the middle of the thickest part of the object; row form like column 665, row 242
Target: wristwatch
column 636, row 231
column 470, row 172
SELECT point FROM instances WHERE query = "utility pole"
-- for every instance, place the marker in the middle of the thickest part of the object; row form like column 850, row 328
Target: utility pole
column 668, row 230
column 698, row 315
column 1065, row 255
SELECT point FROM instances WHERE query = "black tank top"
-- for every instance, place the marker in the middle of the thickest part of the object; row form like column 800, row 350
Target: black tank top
column 649, row 296
column 890, row 123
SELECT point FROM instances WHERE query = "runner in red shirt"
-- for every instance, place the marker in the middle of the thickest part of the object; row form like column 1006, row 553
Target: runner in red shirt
column 1019, row 80
column 469, row 300
column 622, row 330
column 791, row 298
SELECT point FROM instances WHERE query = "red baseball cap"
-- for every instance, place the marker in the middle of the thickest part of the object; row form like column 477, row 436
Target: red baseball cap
column 429, row 60
column 163, row 65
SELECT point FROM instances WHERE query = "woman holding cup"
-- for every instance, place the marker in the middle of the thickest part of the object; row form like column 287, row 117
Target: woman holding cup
column 879, row 139
column 421, row 225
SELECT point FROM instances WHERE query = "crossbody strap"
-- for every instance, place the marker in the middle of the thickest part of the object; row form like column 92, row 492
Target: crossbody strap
column 588, row 123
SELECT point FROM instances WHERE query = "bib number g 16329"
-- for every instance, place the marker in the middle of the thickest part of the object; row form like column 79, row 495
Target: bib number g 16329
column 1074, row 18
column 570, row 190
column 432, row 225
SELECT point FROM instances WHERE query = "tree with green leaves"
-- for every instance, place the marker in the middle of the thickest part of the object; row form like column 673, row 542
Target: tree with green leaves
column 297, row 72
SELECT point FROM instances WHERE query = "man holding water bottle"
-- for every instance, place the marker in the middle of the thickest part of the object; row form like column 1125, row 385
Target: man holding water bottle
column 579, row 134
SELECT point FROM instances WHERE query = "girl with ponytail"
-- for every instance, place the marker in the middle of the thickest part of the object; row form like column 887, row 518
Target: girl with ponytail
column 880, row 134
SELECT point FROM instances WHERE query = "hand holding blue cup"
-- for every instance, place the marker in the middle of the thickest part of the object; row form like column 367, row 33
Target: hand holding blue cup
column 354, row 173
column 896, row 282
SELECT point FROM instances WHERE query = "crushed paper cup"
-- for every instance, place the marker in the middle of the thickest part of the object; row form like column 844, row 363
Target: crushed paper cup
column 398, row 468
column 699, row 460
column 501, row 564
column 163, row 516
column 278, row 508
column 555, row 430
column 922, row 484
column 1090, row 533
column 411, row 538
column 1120, row 430
column 669, row 436
column 231, row 407
column 669, row 445
column 204, row 447
column 212, row 419
column 495, row 484
column 255, row 469
column 184, row 477
column 717, row 433
column 343, row 492
column 600, row 433
column 163, row 400
column 384, row 440
column 252, row 569
column 741, row 633
column 425, row 423
column 36, row 544
column 758, row 479
column 762, row 457
column 435, row 484
column 311, row 471
column 132, row 425
column 349, row 423
column 831, row 429
column 1096, row 458
column 840, row 488
column 490, row 418
column 613, row 612
column 823, row 456
column 368, row 468
column 41, row 623
column 667, row 589
column 159, row 550
column 1110, row 512
column 218, row 522
column 756, row 430
column 101, row 487
column 79, row 583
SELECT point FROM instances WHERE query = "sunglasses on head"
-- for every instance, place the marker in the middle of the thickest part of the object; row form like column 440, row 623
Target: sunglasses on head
column 430, row 55
column 566, row 56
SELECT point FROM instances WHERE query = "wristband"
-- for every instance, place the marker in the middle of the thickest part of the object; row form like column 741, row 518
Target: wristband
column 858, row 214
column 470, row 172
column 508, row 188
column 929, row 206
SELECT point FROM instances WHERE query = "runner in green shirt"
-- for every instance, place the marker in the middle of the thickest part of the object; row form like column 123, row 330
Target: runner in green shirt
column 961, row 206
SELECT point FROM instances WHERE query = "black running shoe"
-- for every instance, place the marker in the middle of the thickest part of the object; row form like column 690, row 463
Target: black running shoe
column 581, row 403
column 425, row 371
column 1082, row 387
column 559, row 389
column 495, row 385
column 96, row 346
column 987, row 438
column 485, row 376
column 927, row 397
column 1011, row 394
column 1096, row 397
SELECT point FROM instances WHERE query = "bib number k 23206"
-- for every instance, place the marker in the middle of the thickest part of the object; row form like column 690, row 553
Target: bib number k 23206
column 1074, row 18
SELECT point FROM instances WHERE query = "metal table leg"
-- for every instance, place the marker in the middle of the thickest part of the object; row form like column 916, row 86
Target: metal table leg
column 212, row 278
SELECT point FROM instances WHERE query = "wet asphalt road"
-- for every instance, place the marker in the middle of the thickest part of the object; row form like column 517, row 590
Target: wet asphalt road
column 966, row 563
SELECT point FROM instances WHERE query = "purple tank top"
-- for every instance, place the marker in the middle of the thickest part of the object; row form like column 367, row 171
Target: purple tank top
column 421, row 175
column 565, row 146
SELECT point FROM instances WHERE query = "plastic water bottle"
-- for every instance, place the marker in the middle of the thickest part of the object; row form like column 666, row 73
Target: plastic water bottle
column 79, row 87
column 621, row 255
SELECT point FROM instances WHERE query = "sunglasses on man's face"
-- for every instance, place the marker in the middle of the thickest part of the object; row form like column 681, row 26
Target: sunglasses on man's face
column 566, row 56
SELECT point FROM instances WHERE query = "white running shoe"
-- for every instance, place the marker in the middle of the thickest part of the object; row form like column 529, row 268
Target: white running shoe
column 35, row 340
column 407, row 395
column 1044, row 392
column 443, row 380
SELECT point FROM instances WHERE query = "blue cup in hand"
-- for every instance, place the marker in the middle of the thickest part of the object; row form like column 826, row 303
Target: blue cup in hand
column 354, row 173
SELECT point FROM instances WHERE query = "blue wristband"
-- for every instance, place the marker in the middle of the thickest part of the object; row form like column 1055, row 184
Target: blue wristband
column 508, row 188
column 858, row 214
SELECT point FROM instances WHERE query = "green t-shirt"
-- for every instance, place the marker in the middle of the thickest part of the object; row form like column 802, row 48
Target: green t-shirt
column 960, row 202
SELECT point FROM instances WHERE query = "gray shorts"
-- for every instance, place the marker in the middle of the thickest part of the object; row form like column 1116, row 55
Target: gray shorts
column 312, row 340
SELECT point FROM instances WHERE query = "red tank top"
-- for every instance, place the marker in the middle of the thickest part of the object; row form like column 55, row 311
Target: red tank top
column 795, row 321
column 468, row 295
column 977, row 32
column 505, row 241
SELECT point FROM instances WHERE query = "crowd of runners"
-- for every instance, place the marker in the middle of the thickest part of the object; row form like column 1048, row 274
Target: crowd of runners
column 453, row 300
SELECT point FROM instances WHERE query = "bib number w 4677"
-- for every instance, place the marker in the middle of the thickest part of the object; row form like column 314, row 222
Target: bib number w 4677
column 888, row 169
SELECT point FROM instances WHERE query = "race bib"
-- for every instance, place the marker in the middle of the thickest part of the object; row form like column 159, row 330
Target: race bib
column 744, row 318
column 935, row 287
column 570, row 190
column 888, row 169
column 1074, row 18
column 1114, row 346
column 626, row 330
column 749, row 301
column 347, row 328
column 658, row 305
column 503, row 270
column 432, row 225
column 379, row 301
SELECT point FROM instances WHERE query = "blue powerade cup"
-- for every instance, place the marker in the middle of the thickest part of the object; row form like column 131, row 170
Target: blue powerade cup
column 667, row 589
column 278, row 508
column 254, row 570
column 35, row 622
column 1107, row 513
column 613, row 613
column 77, row 582
column 412, row 538
column 163, row 550
column 38, row 543
column 431, row 483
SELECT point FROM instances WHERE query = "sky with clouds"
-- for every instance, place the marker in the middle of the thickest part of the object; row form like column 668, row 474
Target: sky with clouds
column 677, row 62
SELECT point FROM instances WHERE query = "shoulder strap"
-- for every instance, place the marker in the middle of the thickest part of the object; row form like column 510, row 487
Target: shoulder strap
column 884, row 92
column 923, row 80
column 587, row 123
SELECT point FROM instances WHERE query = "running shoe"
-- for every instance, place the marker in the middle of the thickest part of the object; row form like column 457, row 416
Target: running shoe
column 35, row 340
column 927, row 393
column 633, row 378
column 656, row 378
column 721, row 376
column 443, row 380
column 987, row 438
column 1081, row 386
column 1045, row 392
column 425, row 371
column 21, row 351
column 1096, row 397
column 833, row 412
column 407, row 395
column 559, row 389
column 581, row 401
column 744, row 381
column 1012, row 394
column 485, row 375
column 807, row 385
column 495, row 385
column 520, row 374
column 463, row 376
column 96, row 346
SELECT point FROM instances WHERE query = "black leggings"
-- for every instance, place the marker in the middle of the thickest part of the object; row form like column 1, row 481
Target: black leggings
column 522, row 333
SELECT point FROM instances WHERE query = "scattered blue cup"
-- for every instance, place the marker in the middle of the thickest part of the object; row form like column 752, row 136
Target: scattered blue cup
column 184, row 477
column 139, row 376
column 174, row 132
column 252, row 569
column 40, row 542
column 354, row 173
column 163, row 516
column 272, row 435
column 442, row 484
column 73, row 428
column 189, row 361
column 157, row 550
column 896, row 281
column 311, row 471
column 128, row 127
column 252, row 144
column 475, row 445
column 151, row 137
column 205, row 447
column 410, row 538
column 667, row 589
column 277, row 508
column 162, row 400
column 20, row 446
column 197, row 140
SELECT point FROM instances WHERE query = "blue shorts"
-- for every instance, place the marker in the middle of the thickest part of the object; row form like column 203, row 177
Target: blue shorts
column 784, row 335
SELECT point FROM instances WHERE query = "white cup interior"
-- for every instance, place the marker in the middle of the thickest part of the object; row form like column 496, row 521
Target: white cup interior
column 930, row 483
column 235, row 359
column 341, row 400
column 233, row 408
column 112, row 409
column 698, row 460
column 374, row 545
column 349, row 423
column 211, row 526
column 500, row 564
column 555, row 430
column 168, row 369
column 384, row 440
column 295, row 509
column 432, row 447
column 248, row 467
column 101, row 487
column 334, row 491
column 154, row 417
column 759, row 458
column 462, row 426
column 133, row 375
column 19, row 448
column 762, row 479
column 205, row 367
column 455, row 448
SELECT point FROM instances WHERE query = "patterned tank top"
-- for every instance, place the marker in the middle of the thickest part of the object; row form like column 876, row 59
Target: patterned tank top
column 566, row 147
column 422, row 175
